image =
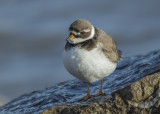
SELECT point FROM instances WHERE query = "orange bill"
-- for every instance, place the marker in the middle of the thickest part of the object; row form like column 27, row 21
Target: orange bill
column 71, row 37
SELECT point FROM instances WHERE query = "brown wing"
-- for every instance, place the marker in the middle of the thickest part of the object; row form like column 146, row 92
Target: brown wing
column 109, row 47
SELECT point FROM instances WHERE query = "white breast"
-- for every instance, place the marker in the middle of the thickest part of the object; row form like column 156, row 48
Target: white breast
column 88, row 66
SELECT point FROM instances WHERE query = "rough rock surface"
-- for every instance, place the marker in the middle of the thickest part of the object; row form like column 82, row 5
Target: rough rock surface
column 140, row 97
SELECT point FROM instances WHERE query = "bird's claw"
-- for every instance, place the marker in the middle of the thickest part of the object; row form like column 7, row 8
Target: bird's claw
column 100, row 93
column 85, row 98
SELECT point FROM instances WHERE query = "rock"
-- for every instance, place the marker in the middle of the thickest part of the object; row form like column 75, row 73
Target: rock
column 134, row 99
column 140, row 97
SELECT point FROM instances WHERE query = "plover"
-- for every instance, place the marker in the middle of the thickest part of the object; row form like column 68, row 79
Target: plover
column 90, row 54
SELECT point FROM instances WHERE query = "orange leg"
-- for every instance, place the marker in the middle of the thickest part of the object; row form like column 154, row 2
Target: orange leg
column 87, row 96
column 100, row 92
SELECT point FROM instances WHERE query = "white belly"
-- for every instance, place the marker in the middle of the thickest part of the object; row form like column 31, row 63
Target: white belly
column 88, row 66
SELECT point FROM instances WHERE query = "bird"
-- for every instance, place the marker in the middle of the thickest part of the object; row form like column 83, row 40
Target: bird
column 90, row 54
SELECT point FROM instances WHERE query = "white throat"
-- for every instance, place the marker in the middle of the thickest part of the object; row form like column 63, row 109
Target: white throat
column 79, row 40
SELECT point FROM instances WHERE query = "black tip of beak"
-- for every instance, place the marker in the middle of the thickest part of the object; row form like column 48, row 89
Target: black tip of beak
column 72, row 34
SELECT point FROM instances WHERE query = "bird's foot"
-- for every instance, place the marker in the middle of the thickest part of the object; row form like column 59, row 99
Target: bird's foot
column 85, row 97
column 100, row 93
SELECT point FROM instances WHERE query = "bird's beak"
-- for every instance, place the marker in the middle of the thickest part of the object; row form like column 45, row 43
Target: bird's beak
column 71, row 37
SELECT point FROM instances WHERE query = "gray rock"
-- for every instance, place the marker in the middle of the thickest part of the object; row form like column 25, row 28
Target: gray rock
column 139, row 97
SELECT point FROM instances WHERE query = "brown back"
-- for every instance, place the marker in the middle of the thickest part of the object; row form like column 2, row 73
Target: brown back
column 109, row 46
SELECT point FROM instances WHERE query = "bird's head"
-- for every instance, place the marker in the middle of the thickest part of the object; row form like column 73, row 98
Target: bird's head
column 80, row 31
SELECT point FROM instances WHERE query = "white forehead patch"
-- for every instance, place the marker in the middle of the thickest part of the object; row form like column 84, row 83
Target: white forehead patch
column 79, row 40
column 78, row 33
column 74, row 32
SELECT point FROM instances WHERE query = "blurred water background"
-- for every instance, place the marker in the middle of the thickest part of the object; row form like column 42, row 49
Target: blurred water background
column 33, row 33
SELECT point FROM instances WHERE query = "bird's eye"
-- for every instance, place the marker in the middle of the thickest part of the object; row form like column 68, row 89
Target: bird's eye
column 83, row 32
